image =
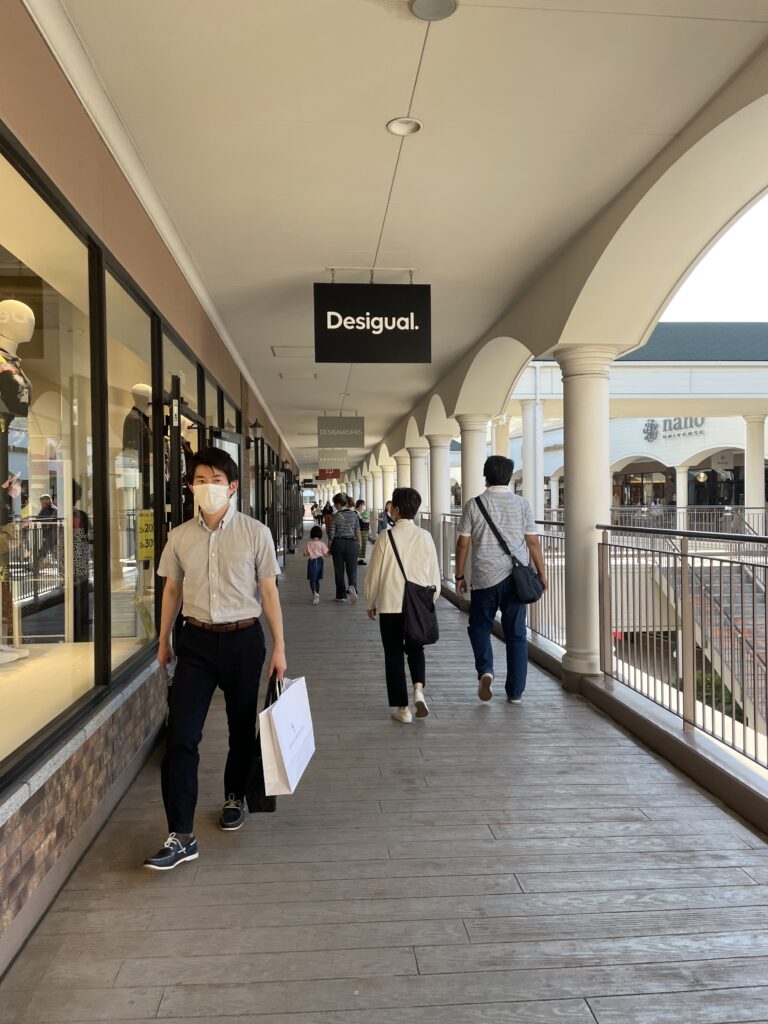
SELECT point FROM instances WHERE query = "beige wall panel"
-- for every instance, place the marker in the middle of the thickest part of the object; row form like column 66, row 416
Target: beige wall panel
column 42, row 110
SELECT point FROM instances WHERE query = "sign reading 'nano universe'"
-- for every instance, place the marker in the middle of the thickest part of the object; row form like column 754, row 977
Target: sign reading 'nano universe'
column 373, row 323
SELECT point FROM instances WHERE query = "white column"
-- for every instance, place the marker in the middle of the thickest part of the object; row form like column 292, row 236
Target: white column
column 418, row 457
column 533, row 456
column 474, row 432
column 587, row 472
column 501, row 437
column 378, row 491
column 754, row 462
column 538, row 507
column 403, row 462
column 368, row 491
column 439, row 485
column 681, row 497
column 387, row 482
column 357, row 490
column 554, row 492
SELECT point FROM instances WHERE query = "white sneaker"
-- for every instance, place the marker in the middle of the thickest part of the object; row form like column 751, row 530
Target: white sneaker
column 403, row 715
column 485, row 688
column 419, row 704
column 315, row 599
column 352, row 594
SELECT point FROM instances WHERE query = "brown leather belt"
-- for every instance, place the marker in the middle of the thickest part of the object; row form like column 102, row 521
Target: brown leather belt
column 222, row 627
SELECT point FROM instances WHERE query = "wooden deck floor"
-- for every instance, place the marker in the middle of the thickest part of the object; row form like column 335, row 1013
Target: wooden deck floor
column 492, row 864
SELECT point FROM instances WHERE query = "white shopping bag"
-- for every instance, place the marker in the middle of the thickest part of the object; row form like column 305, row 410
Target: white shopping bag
column 287, row 738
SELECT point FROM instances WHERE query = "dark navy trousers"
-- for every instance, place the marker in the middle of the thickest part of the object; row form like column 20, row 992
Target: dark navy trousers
column 206, row 660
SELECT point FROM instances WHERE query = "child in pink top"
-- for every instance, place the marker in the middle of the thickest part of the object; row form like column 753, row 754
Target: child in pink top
column 315, row 550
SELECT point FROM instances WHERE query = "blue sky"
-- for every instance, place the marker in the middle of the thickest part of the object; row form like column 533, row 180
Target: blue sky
column 731, row 281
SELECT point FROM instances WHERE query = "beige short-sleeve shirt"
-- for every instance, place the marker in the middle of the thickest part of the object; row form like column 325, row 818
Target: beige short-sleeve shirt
column 221, row 568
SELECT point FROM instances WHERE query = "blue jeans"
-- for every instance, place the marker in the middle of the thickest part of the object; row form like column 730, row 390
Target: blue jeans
column 482, row 612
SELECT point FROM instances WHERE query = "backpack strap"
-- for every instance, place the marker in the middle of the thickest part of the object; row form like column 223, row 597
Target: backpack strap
column 397, row 554
column 495, row 531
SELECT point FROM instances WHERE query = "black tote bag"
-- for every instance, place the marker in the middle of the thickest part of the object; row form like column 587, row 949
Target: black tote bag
column 419, row 615
column 526, row 583
column 255, row 796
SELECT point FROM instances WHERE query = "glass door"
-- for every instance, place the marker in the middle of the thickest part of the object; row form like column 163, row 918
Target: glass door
column 234, row 445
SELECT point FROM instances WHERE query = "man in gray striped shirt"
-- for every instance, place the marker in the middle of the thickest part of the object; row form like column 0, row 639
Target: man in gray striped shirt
column 491, row 572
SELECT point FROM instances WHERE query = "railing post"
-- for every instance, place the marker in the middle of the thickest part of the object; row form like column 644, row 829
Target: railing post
column 604, row 590
column 686, row 659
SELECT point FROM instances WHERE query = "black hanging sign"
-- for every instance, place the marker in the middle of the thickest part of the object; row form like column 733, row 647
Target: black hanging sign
column 373, row 323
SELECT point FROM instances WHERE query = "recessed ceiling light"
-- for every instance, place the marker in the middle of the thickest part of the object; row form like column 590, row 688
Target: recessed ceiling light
column 433, row 10
column 404, row 126
column 293, row 352
column 297, row 375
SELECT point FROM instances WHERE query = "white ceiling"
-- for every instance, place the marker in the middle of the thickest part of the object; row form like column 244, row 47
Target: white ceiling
column 261, row 125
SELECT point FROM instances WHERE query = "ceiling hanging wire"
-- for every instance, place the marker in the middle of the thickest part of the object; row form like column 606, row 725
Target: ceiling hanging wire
column 389, row 200
column 400, row 147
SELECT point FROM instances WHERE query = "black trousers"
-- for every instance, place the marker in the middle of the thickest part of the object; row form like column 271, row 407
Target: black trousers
column 395, row 646
column 344, row 557
column 206, row 660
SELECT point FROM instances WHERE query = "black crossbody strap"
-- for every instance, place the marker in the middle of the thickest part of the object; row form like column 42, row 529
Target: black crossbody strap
column 494, row 530
column 397, row 555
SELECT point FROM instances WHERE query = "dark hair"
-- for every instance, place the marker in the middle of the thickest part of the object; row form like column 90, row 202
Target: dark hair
column 498, row 470
column 316, row 532
column 359, row 502
column 350, row 501
column 406, row 501
column 339, row 499
column 216, row 459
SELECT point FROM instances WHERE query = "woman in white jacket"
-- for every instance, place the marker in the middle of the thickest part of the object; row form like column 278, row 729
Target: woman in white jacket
column 384, row 590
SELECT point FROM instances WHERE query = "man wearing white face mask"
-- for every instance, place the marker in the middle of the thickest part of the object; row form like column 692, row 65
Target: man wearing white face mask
column 222, row 567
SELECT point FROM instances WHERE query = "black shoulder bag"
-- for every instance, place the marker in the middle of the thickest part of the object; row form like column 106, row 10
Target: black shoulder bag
column 526, row 584
column 419, row 615
column 255, row 796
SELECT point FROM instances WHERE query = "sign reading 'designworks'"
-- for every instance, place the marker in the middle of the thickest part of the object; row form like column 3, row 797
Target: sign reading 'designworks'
column 373, row 323
column 333, row 431
column 328, row 458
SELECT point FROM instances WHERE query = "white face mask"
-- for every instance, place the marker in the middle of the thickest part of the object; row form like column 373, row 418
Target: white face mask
column 211, row 497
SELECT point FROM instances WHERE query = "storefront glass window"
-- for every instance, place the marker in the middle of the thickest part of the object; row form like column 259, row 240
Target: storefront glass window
column 131, row 504
column 211, row 404
column 46, row 470
column 191, row 431
column 230, row 416
column 175, row 363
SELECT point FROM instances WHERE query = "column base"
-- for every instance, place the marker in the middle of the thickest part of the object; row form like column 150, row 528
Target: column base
column 577, row 665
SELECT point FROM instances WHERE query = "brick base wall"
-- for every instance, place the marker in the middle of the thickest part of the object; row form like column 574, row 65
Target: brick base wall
column 39, row 836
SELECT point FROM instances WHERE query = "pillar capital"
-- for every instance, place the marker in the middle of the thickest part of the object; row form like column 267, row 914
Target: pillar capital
column 473, row 421
column 586, row 360
column 754, row 418
column 402, row 459
column 376, row 473
column 418, row 451
column 438, row 441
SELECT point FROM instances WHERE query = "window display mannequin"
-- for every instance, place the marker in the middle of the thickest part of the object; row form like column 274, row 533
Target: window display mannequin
column 17, row 324
column 137, row 439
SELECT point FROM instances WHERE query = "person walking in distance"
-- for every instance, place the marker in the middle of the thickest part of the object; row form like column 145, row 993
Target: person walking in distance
column 316, row 552
column 365, row 525
column 491, row 575
column 344, row 537
column 384, row 591
column 220, row 569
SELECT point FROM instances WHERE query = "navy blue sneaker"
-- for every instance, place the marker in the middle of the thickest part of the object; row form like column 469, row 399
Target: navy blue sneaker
column 232, row 814
column 172, row 853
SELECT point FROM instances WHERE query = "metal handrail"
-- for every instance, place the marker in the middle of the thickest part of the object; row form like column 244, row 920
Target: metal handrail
column 694, row 534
